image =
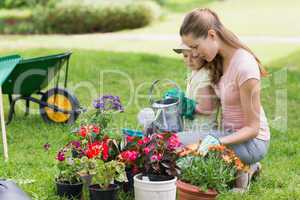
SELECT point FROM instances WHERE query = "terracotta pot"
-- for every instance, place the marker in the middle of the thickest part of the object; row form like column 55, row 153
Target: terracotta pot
column 187, row 191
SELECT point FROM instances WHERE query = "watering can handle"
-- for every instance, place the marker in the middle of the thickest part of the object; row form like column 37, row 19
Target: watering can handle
column 155, row 83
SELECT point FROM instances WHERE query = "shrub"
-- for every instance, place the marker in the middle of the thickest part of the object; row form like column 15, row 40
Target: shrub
column 87, row 16
column 16, row 21
column 161, row 2
column 22, row 3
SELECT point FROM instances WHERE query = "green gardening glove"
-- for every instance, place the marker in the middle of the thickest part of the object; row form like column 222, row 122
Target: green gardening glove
column 187, row 105
column 189, row 108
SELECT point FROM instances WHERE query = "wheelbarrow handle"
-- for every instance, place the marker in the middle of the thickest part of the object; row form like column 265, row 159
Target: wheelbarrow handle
column 155, row 83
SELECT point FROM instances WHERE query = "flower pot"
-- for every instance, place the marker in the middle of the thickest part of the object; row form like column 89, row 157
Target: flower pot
column 87, row 179
column 187, row 191
column 127, row 186
column 70, row 191
column 98, row 193
column 154, row 190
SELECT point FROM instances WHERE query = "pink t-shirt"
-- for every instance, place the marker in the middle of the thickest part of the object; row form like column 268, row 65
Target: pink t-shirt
column 242, row 67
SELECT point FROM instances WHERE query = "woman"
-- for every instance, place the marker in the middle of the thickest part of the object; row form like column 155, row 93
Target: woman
column 244, row 125
column 200, row 90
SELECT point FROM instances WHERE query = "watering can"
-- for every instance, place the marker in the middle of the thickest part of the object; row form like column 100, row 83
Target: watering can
column 167, row 111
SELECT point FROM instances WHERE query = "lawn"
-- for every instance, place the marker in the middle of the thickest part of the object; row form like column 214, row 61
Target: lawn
column 26, row 136
column 245, row 18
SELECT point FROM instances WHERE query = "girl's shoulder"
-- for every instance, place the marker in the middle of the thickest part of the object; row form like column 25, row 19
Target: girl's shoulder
column 202, row 73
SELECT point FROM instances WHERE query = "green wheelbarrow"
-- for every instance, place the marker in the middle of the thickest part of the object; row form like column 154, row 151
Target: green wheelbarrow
column 22, row 78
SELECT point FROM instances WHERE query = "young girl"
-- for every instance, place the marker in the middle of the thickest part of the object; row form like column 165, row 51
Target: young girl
column 244, row 125
column 200, row 90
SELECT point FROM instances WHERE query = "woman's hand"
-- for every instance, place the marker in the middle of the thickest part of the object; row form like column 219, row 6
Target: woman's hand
column 206, row 143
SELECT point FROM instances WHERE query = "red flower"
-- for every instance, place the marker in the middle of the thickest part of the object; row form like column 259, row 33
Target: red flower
column 83, row 131
column 105, row 150
column 130, row 138
column 93, row 150
column 96, row 129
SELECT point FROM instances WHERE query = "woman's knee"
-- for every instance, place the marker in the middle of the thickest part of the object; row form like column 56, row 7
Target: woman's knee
column 252, row 151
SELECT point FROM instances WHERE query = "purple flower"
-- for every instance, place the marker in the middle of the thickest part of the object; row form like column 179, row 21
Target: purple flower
column 108, row 102
column 47, row 146
column 75, row 144
column 60, row 156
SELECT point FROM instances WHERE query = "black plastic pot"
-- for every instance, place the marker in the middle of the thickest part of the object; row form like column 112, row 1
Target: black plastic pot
column 127, row 186
column 154, row 177
column 97, row 193
column 70, row 191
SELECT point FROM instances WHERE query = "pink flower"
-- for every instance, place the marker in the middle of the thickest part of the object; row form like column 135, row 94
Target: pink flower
column 60, row 156
column 159, row 156
column 160, row 136
column 173, row 142
column 129, row 155
column 146, row 140
column 155, row 157
column 140, row 142
column 146, row 150
column 133, row 155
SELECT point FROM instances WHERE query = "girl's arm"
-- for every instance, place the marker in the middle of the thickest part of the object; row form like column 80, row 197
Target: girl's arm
column 206, row 101
column 250, row 100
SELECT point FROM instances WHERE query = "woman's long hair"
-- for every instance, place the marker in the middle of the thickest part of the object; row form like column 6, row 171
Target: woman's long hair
column 198, row 22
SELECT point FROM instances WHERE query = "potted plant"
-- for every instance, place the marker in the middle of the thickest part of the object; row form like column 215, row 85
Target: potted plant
column 204, row 177
column 104, row 108
column 68, row 181
column 107, row 173
column 155, row 158
column 79, row 158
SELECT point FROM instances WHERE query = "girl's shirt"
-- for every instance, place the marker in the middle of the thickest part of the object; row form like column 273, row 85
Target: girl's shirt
column 197, row 80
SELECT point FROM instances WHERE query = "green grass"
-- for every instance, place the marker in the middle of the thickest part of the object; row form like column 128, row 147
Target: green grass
column 26, row 136
column 254, row 18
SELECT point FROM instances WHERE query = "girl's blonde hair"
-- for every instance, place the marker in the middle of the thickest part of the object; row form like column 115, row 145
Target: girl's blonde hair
column 198, row 22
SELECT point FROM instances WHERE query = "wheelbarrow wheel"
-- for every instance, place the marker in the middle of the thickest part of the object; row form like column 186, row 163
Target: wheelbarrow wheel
column 64, row 100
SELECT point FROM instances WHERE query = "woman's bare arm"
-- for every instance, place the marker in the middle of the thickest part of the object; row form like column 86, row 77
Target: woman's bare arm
column 250, row 100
